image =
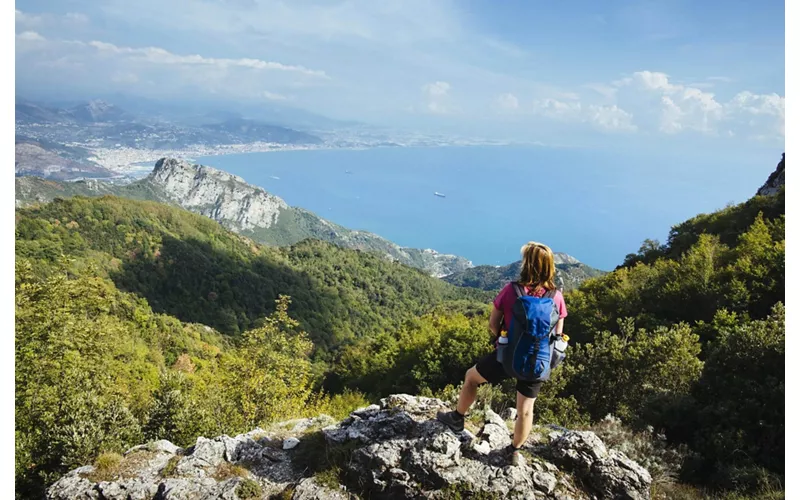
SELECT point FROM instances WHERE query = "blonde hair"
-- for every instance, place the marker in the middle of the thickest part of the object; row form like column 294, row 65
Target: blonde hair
column 538, row 267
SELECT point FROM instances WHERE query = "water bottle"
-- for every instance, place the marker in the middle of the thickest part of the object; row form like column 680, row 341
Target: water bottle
column 502, row 343
column 559, row 348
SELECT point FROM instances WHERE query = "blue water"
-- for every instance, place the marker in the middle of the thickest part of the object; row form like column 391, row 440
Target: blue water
column 596, row 205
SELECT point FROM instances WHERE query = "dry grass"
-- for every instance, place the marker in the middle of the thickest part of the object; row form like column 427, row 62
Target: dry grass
column 109, row 465
column 227, row 470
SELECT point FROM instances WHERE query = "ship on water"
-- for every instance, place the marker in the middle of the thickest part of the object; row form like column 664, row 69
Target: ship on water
column 437, row 193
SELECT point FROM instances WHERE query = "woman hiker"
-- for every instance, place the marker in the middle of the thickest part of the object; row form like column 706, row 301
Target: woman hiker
column 537, row 278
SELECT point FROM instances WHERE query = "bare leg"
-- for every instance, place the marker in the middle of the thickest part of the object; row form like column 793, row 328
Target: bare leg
column 524, row 419
column 470, row 391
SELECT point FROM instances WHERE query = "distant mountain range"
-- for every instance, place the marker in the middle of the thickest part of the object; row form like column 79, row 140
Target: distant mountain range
column 96, row 111
column 570, row 273
column 101, row 124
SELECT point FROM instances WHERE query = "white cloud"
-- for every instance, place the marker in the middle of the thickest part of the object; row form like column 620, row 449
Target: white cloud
column 76, row 18
column 30, row 36
column 137, row 68
column 761, row 112
column 272, row 96
column 158, row 55
column 27, row 20
column 436, row 89
column 650, row 80
column 438, row 96
column 507, row 102
column 611, row 118
column 606, row 118
column 680, row 108
column 605, row 90
column 69, row 20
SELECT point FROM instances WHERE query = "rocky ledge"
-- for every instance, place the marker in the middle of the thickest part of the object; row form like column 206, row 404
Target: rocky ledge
column 392, row 450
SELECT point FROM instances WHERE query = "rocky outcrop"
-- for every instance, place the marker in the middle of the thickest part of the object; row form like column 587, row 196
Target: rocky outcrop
column 250, row 210
column 395, row 449
column 226, row 198
column 775, row 180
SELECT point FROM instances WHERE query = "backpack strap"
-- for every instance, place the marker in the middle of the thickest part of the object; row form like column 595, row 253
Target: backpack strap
column 517, row 289
column 550, row 294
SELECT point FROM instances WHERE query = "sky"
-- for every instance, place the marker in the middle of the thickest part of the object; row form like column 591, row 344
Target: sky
column 669, row 73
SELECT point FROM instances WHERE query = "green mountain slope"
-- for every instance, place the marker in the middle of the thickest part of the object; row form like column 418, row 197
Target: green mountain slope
column 192, row 268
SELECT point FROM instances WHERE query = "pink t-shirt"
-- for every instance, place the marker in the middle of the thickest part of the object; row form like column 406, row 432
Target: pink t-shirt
column 507, row 296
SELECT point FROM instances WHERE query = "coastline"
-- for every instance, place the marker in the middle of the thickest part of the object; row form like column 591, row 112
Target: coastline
column 128, row 161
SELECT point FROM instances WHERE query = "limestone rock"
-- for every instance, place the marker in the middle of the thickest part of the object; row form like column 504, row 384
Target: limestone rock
column 396, row 449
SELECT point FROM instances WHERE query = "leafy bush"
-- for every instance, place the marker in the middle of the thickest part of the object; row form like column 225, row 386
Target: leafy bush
column 739, row 401
column 620, row 374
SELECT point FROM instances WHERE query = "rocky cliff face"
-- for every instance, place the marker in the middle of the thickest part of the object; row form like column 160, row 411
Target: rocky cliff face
column 393, row 450
column 250, row 210
column 226, row 198
column 775, row 180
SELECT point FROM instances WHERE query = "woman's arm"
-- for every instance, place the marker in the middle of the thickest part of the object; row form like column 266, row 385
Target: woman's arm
column 560, row 326
column 495, row 321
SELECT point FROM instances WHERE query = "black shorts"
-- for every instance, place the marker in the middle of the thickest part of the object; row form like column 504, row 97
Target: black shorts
column 492, row 370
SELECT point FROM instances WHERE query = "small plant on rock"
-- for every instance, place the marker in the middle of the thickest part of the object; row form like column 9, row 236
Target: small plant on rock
column 227, row 470
column 106, row 467
column 171, row 467
column 248, row 489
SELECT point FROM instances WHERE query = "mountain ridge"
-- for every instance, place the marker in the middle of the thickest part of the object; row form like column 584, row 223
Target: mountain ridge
column 775, row 180
column 98, row 123
column 570, row 273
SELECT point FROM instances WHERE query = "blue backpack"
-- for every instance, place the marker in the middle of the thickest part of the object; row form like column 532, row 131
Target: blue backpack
column 529, row 353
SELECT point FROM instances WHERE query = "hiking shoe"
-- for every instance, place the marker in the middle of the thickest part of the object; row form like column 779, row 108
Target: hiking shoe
column 452, row 419
column 515, row 457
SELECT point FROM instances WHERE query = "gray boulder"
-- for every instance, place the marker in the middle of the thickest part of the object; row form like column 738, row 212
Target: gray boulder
column 610, row 473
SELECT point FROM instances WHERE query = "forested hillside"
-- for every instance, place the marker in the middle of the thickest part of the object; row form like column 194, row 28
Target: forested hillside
column 136, row 321
column 190, row 267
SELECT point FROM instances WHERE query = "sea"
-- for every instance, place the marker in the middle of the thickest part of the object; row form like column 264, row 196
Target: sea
column 594, row 204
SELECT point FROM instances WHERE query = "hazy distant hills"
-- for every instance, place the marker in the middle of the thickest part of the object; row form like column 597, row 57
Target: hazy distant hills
column 54, row 161
column 101, row 124
column 570, row 273
column 242, row 130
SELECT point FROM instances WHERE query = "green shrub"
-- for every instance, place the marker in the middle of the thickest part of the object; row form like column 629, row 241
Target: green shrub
column 620, row 374
column 739, row 403
column 106, row 467
column 249, row 489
